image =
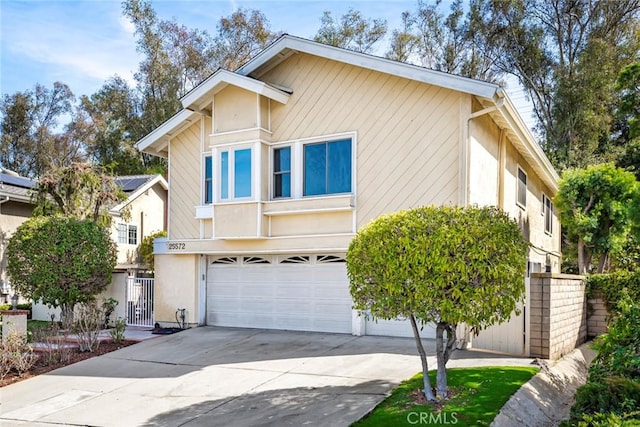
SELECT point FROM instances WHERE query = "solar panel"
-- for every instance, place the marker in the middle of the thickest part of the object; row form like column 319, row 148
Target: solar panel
column 132, row 183
column 17, row 181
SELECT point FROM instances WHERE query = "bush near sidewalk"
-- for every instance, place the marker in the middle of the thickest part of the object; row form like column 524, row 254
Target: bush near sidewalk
column 612, row 392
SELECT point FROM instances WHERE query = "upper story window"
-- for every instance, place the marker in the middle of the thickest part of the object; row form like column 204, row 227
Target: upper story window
column 127, row 234
column 327, row 168
column 282, row 172
column 235, row 174
column 521, row 196
column 208, row 179
column 547, row 212
column 314, row 168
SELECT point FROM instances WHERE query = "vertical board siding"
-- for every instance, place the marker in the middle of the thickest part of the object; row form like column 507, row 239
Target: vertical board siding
column 184, row 183
column 407, row 132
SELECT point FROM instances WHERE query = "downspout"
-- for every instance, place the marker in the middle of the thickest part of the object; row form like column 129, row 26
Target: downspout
column 502, row 160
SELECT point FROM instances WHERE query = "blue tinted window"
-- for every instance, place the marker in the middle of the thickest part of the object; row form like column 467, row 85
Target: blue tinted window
column 282, row 172
column 327, row 168
column 224, row 175
column 242, row 175
column 208, row 180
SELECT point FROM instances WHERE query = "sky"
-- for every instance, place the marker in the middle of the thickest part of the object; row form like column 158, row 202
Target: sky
column 84, row 42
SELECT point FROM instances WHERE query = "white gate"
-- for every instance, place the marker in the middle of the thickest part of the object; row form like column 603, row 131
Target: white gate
column 139, row 301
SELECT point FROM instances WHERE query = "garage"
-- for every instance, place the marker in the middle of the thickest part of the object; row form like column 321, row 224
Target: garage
column 301, row 292
column 397, row 328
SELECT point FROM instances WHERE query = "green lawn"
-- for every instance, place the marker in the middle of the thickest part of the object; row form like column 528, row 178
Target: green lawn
column 479, row 393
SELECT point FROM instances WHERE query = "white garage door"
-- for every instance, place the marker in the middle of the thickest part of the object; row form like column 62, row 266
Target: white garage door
column 397, row 328
column 305, row 292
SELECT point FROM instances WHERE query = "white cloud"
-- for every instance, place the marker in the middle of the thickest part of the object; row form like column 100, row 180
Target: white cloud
column 70, row 41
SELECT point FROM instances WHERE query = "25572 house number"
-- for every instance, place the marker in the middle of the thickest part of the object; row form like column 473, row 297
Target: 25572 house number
column 177, row 246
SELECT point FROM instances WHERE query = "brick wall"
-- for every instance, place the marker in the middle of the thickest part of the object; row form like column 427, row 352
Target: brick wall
column 558, row 313
column 597, row 315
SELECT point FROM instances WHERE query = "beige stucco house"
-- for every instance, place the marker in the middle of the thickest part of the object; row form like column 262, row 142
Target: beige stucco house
column 15, row 208
column 145, row 206
column 274, row 167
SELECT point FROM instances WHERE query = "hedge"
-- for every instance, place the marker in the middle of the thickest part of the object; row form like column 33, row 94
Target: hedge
column 613, row 286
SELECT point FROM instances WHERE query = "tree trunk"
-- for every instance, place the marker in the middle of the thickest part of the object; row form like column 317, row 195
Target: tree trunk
column 428, row 392
column 581, row 266
column 602, row 262
column 443, row 352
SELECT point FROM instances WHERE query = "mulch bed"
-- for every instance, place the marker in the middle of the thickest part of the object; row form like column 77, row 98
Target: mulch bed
column 41, row 367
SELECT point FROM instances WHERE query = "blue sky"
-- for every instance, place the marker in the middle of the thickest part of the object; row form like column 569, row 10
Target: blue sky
column 82, row 43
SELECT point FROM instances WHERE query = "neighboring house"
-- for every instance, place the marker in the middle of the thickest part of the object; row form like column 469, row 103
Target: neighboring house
column 145, row 215
column 15, row 208
column 145, row 209
column 274, row 167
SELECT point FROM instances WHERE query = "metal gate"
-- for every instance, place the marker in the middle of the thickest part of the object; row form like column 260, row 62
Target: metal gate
column 139, row 301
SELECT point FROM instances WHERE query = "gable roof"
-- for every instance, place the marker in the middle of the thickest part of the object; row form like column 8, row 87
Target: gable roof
column 492, row 97
column 134, row 186
column 286, row 45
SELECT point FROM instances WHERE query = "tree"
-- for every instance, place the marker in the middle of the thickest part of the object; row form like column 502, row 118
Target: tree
column 596, row 209
column 61, row 261
column 446, row 265
column 240, row 37
column 566, row 54
column 31, row 141
column 111, row 114
column 628, row 118
column 81, row 191
column 353, row 31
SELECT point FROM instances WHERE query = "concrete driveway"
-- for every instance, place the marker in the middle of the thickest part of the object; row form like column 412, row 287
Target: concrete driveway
column 219, row 377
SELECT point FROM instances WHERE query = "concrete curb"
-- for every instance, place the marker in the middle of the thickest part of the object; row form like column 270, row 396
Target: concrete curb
column 546, row 399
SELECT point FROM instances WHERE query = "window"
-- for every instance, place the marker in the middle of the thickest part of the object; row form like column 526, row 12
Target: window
column 127, row 234
column 282, row 172
column 208, row 179
column 235, row 174
column 522, row 189
column 547, row 212
column 327, row 168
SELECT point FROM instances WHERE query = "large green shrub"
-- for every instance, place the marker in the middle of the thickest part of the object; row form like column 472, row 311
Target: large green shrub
column 146, row 248
column 619, row 349
column 60, row 260
column 446, row 265
column 615, row 395
column 614, row 285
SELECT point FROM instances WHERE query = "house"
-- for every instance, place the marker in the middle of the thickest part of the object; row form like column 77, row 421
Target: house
column 274, row 167
column 141, row 214
column 15, row 208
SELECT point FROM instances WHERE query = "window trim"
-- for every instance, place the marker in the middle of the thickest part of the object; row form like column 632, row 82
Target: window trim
column 547, row 211
column 526, row 183
column 207, row 181
column 272, row 171
column 297, row 164
column 230, row 181
column 127, row 233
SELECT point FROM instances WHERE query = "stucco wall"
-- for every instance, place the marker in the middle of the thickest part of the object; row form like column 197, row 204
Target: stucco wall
column 147, row 213
column 176, row 286
column 12, row 214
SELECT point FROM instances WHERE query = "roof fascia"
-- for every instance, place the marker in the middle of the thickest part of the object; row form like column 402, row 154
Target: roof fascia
column 195, row 98
column 158, row 179
column 413, row 72
column 154, row 142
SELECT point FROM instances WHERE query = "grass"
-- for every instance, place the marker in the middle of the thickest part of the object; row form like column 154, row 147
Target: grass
column 478, row 396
